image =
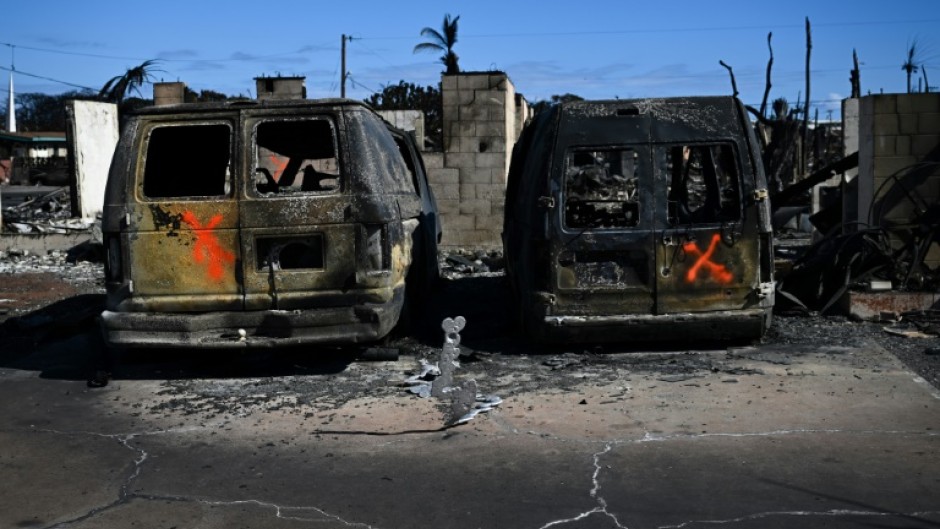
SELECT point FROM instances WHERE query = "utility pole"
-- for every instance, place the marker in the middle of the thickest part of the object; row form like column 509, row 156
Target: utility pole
column 344, row 74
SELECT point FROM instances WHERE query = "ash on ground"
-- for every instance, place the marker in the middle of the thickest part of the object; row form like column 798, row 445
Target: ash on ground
column 492, row 351
column 80, row 267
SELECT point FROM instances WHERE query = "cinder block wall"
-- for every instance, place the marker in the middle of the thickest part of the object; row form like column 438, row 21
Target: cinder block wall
column 408, row 121
column 897, row 131
column 850, row 144
column 482, row 118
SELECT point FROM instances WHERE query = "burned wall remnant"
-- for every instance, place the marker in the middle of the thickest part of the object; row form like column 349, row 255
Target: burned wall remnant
column 92, row 135
column 280, row 88
column 483, row 116
column 899, row 161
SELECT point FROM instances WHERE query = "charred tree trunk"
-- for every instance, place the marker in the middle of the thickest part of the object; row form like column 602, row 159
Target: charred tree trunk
column 734, row 84
column 770, row 63
column 855, row 77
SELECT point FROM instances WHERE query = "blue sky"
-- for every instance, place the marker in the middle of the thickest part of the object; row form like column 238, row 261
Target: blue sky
column 598, row 49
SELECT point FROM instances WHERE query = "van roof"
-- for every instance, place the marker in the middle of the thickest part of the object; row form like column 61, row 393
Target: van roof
column 672, row 118
column 237, row 104
column 652, row 102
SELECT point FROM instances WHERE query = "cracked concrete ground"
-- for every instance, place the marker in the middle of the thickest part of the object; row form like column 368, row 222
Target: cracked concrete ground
column 818, row 427
column 763, row 436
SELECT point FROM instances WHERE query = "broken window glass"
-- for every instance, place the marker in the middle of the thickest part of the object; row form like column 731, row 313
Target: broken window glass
column 601, row 188
column 296, row 156
column 188, row 161
column 703, row 183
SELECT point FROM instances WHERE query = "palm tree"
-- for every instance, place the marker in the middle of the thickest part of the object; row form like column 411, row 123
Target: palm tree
column 119, row 86
column 910, row 65
column 444, row 41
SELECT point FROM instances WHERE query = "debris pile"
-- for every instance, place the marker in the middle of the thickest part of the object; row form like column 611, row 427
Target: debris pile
column 893, row 251
column 78, row 270
column 463, row 262
column 45, row 212
column 916, row 324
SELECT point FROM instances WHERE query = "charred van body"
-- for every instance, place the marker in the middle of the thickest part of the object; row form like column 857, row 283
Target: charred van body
column 639, row 220
column 261, row 223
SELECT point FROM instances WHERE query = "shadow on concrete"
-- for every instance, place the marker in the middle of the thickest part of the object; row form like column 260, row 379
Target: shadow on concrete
column 906, row 521
column 486, row 303
column 482, row 301
column 63, row 341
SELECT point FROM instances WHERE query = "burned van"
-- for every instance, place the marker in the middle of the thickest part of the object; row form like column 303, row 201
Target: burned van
column 639, row 220
column 261, row 223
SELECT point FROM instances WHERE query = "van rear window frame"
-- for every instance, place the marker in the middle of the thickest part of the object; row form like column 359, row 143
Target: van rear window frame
column 635, row 180
column 258, row 180
column 144, row 167
column 662, row 151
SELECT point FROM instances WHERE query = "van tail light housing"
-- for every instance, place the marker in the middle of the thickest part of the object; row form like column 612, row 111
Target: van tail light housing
column 374, row 252
column 114, row 264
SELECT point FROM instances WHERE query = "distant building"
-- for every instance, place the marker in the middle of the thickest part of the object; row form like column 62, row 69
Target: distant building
column 32, row 157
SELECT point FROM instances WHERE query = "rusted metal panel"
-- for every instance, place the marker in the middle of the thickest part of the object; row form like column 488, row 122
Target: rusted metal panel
column 189, row 249
column 707, row 271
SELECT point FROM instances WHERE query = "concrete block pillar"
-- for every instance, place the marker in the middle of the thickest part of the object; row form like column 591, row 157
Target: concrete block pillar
column 895, row 132
column 482, row 119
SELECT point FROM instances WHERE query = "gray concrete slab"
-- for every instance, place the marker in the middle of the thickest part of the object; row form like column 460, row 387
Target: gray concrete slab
column 42, row 243
column 768, row 436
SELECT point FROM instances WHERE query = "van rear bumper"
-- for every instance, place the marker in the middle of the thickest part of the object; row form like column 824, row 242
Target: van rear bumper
column 263, row 328
column 714, row 325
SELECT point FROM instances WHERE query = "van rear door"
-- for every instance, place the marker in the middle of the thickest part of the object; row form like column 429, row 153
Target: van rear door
column 298, row 228
column 181, row 226
column 602, row 254
column 707, row 248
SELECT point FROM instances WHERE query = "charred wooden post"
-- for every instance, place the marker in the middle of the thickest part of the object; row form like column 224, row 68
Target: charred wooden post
column 855, row 76
column 805, row 136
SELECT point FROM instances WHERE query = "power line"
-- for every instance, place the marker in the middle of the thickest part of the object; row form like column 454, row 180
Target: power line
column 360, row 85
column 669, row 30
column 75, row 53
column 334, row 82
column 124, row 58
column 493, row 35
column 375, row 54
column 21, row 72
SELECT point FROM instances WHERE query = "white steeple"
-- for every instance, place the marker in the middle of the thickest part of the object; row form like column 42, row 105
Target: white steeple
column 11, row 104
column 11, row 108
